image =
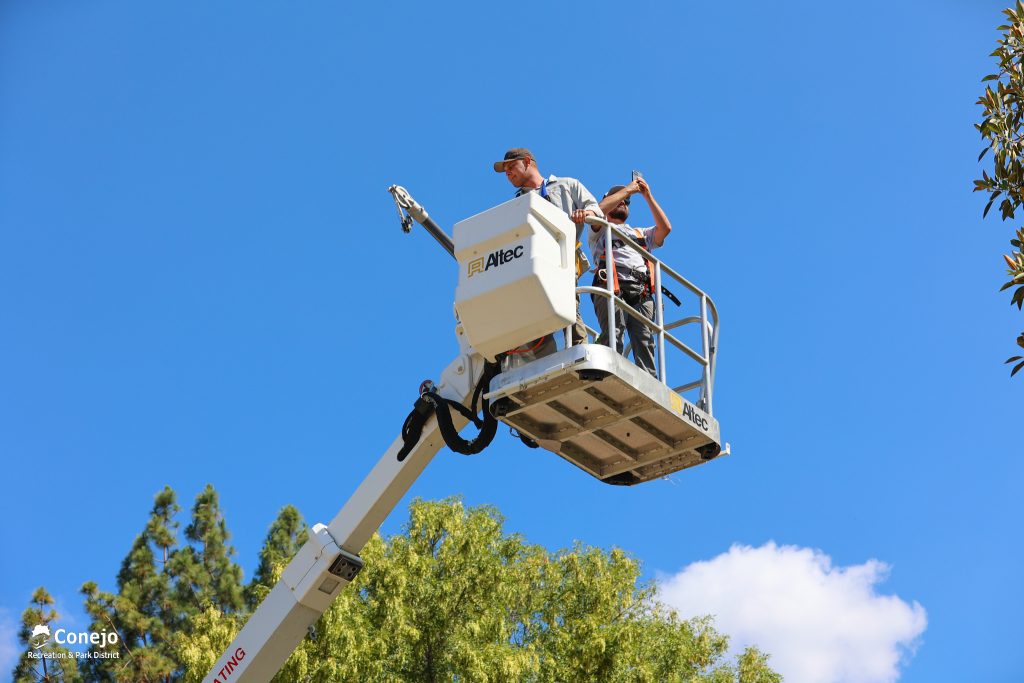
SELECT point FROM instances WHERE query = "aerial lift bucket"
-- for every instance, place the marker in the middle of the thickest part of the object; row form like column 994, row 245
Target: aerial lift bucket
column 587, row 403
column 516, row 274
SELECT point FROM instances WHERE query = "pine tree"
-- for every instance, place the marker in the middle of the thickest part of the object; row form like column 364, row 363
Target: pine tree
column 162, row 531
column 43, row 659
column 286, row 535
column 203, row 572
column 142, row 612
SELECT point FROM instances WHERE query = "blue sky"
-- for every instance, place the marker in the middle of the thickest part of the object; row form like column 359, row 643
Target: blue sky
column 202, row 279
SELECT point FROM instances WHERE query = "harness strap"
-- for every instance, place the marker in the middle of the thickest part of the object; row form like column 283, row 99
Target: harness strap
column 614, row 269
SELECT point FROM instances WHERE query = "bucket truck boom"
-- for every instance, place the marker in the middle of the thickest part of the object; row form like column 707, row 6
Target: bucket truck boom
column 330, row 558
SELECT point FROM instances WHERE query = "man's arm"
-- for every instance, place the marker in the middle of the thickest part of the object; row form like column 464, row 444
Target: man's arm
column 612, row 200
column 585, row 203
column 662, row 225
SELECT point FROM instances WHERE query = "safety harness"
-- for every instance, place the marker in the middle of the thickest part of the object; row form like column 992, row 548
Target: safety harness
column 601, row 265
column 601, row 271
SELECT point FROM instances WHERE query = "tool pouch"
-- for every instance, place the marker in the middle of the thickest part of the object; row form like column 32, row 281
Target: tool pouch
column 582, row 262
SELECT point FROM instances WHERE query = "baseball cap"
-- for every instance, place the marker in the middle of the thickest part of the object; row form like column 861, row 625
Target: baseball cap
column 512, row 155
column 613, row 189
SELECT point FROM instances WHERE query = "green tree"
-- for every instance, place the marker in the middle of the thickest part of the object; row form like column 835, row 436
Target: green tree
column 204, row 574
column 286, row 535
column 143, row 612
column 42, row 659
column 752, row 667
column 1003, row 133
column 208, row 633
column 456, row 598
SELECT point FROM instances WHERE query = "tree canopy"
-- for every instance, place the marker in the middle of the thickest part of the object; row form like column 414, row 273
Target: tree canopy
column 454, row 597
column 1003, row 134
column 451, row 598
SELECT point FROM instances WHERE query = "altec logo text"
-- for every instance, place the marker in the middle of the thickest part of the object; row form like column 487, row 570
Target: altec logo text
column 695, row 417
column 494, row 259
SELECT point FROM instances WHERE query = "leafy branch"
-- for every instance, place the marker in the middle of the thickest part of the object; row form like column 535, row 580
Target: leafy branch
column 1002, row 129
column 1015, row 270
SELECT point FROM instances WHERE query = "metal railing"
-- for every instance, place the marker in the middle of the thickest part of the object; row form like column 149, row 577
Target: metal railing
column 708, row 328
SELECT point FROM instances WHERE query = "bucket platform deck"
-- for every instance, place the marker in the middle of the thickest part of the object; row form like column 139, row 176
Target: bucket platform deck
column 602, row 413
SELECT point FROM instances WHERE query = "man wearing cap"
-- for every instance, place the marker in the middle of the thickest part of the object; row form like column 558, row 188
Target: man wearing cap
column 632, row 270
column 568, row 194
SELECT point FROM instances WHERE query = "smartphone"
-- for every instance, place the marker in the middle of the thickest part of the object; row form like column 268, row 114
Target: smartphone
column 637, row 174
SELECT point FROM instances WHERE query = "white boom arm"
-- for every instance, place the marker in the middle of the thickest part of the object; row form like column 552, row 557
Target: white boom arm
column 330, row 558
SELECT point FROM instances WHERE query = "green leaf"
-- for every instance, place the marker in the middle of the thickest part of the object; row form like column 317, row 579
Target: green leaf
column 1018, row 298
column 983, row 153
column 990, row 77
column 1006, row 209
column 1016, row 369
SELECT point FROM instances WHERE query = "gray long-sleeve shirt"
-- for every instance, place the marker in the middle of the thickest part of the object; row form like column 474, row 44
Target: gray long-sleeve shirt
column 568, row 194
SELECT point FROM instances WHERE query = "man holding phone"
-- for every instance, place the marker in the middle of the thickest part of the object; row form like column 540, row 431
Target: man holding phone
column 633, row 274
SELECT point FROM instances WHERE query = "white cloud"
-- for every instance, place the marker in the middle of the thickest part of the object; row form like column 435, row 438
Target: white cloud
column 819, row 623
column 10, row 649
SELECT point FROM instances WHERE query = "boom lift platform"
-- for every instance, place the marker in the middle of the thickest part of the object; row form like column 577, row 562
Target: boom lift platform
column 602, row 413
column 585, row 402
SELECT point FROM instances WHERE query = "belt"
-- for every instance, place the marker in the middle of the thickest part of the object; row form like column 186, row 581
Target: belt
column 627, row 273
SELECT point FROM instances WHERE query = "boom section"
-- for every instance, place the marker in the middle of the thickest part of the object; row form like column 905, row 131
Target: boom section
column 329, row 560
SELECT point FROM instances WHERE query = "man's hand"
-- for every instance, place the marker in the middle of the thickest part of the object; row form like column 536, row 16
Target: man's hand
column 642, row 187
column 580, row 215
